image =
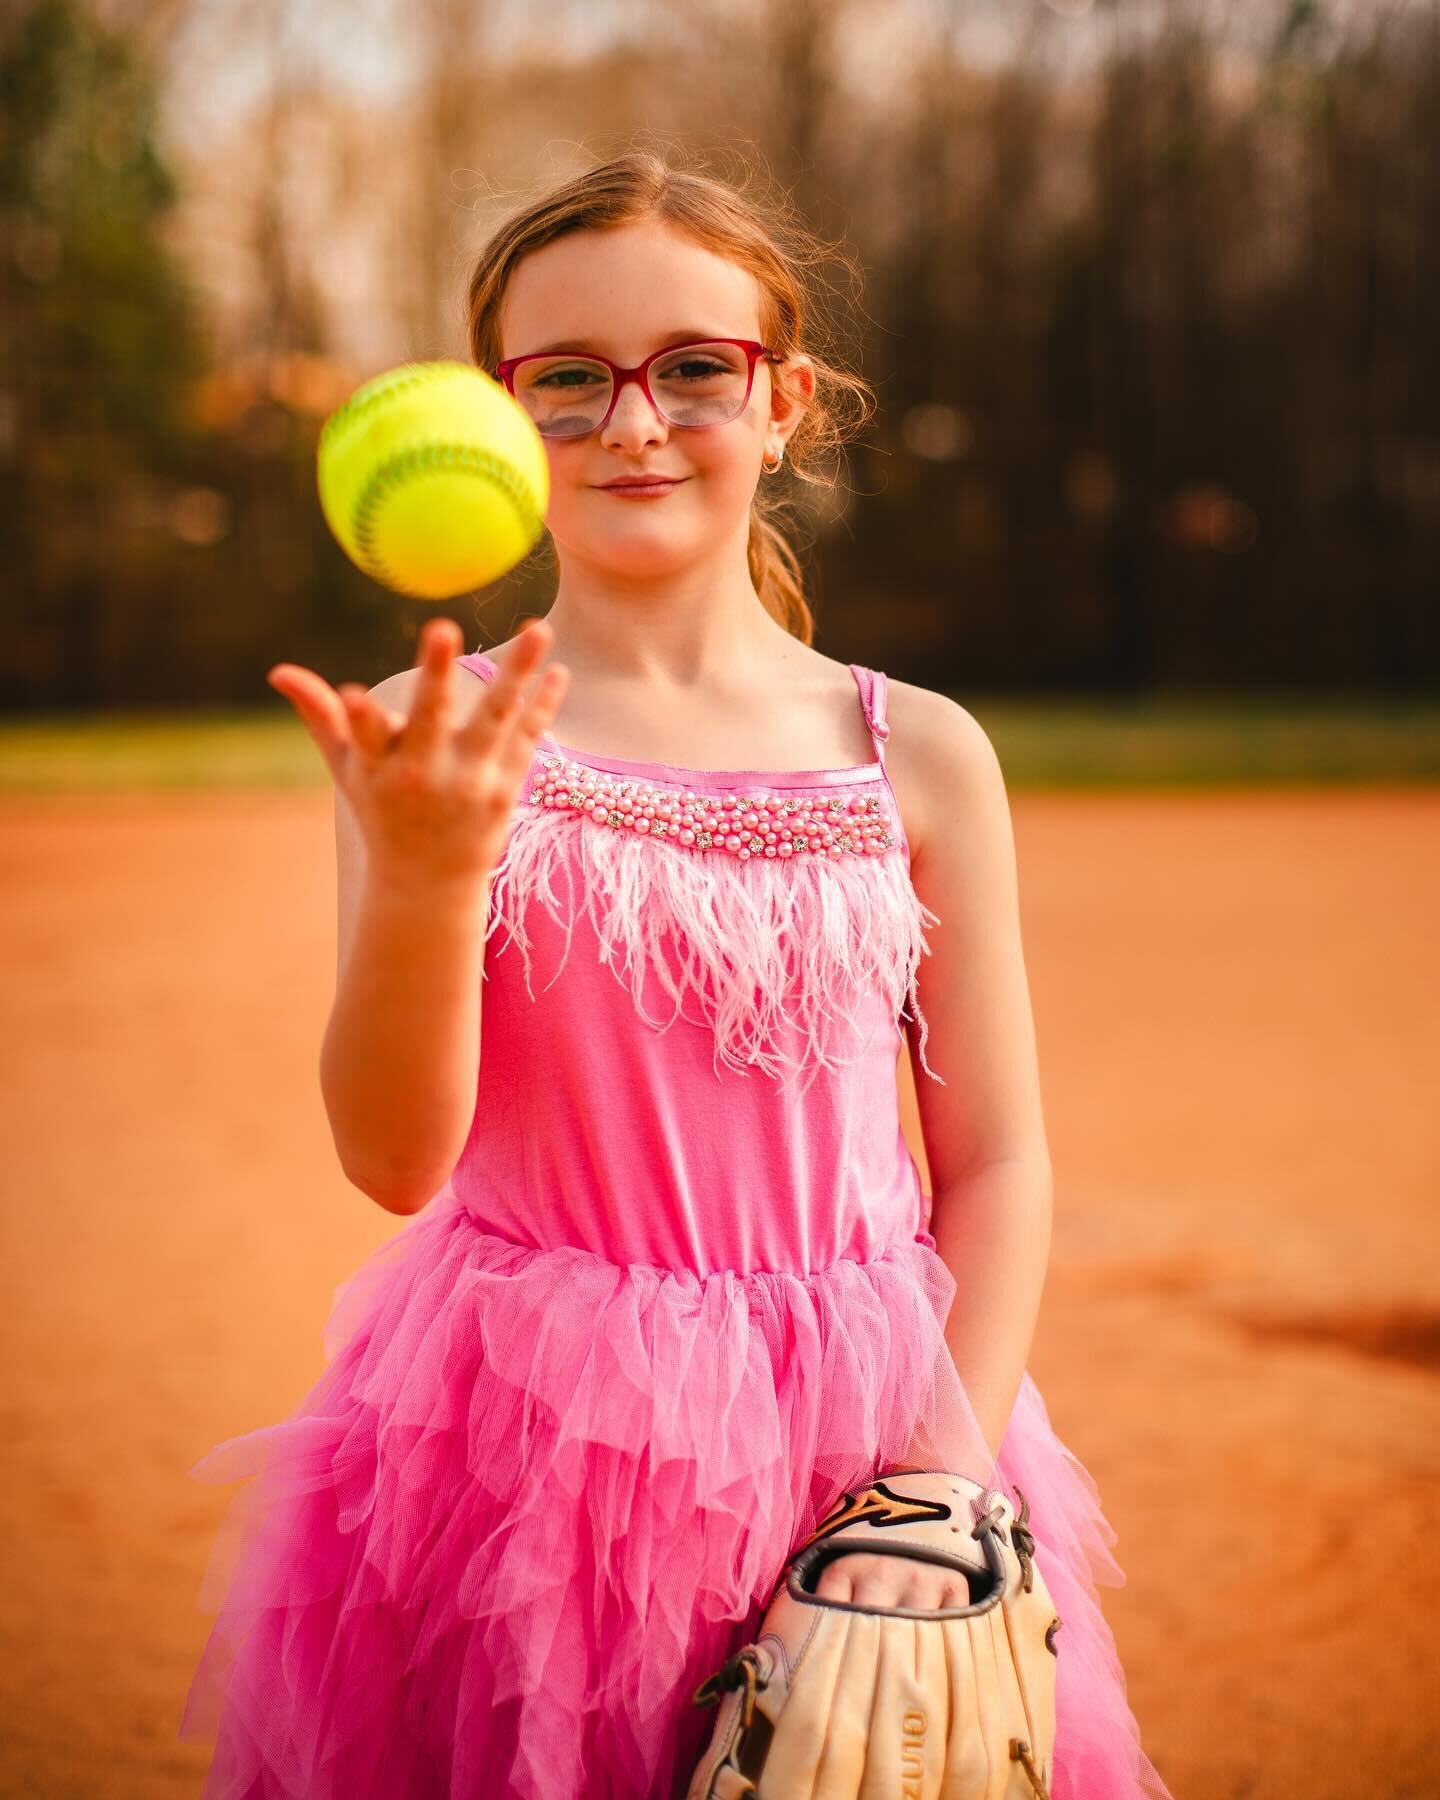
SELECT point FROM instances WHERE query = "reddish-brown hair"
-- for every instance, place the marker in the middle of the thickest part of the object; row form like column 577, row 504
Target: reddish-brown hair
column 765, row 237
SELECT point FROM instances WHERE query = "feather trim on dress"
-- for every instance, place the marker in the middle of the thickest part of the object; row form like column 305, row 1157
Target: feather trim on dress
column 763, row 946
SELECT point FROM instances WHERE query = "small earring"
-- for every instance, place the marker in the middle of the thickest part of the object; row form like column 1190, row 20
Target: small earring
column 773, row 468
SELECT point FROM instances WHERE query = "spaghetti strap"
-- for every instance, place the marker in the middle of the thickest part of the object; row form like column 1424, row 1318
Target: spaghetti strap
column 481, row 664
column 872, row 685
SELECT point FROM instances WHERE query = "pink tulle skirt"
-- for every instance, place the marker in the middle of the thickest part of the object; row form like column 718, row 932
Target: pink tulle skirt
column 538, row 1496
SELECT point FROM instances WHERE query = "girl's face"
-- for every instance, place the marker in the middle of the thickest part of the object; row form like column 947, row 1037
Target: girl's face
column 624, row 293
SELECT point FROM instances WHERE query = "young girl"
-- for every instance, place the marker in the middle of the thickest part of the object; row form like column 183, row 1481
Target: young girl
column 618, row 1020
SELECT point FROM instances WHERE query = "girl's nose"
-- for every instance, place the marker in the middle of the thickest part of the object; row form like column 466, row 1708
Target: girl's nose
column 633, row 416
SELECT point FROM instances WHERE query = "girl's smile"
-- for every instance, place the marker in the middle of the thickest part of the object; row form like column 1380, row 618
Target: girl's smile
column 626, row 487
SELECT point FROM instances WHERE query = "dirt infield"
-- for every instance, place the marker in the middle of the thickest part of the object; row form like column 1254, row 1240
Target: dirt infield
column 1236, row 1002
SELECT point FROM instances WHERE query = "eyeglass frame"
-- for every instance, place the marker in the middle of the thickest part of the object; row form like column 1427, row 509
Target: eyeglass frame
column 505, row 372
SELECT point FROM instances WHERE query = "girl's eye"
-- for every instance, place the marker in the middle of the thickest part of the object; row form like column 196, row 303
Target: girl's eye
column 695, row 368
column 565, row 378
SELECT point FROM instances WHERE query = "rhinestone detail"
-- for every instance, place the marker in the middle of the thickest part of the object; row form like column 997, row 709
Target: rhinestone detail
column 740, row 825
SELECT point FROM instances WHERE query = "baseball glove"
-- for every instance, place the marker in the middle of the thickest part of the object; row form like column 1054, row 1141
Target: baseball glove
column 841, row 1701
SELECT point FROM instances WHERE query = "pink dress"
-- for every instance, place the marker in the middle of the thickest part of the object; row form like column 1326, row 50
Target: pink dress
column 677, row 1296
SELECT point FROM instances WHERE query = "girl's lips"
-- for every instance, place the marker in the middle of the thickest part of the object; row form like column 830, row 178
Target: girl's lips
column 649, row 490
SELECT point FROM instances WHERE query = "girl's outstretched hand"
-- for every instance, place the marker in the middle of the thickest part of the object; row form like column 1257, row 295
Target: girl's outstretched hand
column 433, row 798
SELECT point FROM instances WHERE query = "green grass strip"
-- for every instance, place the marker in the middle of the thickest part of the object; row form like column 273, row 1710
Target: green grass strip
column 1189, row 742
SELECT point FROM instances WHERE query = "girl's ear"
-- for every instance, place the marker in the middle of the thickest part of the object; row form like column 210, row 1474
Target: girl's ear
column 792, row 388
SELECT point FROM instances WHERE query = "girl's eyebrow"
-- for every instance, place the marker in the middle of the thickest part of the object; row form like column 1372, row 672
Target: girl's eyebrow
column 688, row 336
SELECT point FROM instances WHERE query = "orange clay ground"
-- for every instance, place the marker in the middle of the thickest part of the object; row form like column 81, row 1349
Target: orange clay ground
column 1236, row 1000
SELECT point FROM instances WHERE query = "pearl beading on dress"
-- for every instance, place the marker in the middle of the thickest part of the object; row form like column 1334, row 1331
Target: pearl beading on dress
column 740, row 825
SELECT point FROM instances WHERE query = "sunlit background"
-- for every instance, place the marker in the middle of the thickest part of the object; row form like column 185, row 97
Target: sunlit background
column 1149, row 291
column 1149, row 295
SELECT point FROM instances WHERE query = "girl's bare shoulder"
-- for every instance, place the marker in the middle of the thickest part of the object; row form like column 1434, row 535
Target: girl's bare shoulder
column 940, row 760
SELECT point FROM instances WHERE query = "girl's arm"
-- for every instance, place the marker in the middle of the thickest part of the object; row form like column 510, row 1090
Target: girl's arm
column 423, row 805
column 984, row 1130
column 400, row 1061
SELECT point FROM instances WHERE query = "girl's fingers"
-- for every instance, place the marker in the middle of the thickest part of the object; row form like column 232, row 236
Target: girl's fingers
column 321, row 710
column 516, row 707
column 536, row 715
column 370, row 725
column 504, row 708
column 432, row 708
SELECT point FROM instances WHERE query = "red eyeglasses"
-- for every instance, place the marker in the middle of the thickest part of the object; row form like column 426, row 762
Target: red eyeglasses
column 694, row 386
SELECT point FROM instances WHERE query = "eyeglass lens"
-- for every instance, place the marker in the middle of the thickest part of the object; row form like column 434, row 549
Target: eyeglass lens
column 696, row 384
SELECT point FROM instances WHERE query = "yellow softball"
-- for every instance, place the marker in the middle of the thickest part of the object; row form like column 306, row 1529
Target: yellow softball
column 433, row 479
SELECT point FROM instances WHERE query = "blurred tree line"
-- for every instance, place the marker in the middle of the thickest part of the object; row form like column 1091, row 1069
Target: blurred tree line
column 1150, row 301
